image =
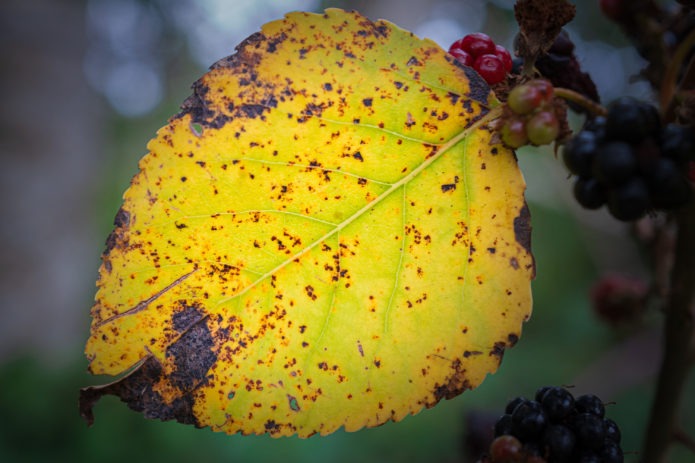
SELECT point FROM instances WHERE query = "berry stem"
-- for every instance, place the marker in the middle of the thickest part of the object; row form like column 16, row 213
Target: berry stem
column 678, row 333
column 670, row 81
column 578, row 98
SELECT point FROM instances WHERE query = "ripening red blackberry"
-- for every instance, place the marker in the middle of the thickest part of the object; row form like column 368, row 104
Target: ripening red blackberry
column 619, row 299
column 629, row 162
column 506, row 449
column 479, row 51
column 555, row 427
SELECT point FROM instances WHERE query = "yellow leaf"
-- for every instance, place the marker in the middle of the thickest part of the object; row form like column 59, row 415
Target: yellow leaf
column 326, row 235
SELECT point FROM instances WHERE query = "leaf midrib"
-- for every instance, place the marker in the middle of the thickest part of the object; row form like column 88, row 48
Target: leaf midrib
column 363, row 210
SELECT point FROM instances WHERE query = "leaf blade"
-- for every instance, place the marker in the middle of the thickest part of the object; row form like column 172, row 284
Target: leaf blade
column 310, row 229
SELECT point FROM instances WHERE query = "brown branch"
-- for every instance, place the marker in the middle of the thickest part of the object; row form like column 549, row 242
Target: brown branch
column 678, row 333
column 684, row 439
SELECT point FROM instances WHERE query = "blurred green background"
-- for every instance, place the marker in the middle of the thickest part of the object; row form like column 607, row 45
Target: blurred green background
column 85, row 85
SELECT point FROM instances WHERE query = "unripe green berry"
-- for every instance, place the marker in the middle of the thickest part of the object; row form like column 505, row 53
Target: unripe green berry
column 542, row 128
column 514, row 133
column 523, row 99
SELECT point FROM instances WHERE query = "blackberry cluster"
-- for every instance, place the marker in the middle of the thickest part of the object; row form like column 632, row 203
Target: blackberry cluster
column 493, row 62
column 555, row 427
column 630, row 162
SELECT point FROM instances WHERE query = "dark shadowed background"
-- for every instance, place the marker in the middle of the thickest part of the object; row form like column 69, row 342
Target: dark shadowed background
column 86, row 83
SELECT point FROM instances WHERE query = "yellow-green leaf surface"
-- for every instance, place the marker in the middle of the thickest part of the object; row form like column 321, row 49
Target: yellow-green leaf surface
column 325, row 236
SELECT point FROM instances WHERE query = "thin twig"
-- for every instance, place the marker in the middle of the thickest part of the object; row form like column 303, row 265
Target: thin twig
column 581, row 100
column 678, row 333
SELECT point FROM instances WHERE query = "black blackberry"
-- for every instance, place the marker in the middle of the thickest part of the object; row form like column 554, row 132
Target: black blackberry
column 597, row 125
column 668, row 186
column 558, row 403
column 678, row 143
column 630, row 201
column 503, row 425
column 614, row 163
column 631, row 121
column 589, row 430
column 580, row 152
column 589, row 193
column 589, row 403
column 611, row 453
column 528, row 420
column 629, row 162
column 513, row 404
column 559, row 440
column 541, row 391
column 556, row 427
column 611, row 430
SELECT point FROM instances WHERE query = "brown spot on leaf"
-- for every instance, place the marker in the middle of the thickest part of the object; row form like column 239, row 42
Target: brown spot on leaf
column 522, row 232
column 498, row 349
column 252, row 110
column 186, row 316
column 272, row 427
column 193, row 356
column 455, row 384
column 137, row 391
column 117, row 237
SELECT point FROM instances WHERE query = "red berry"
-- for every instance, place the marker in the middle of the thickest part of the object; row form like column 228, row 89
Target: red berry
column 506, row 449
column 542, row 128
column 618, row 299
column 490, row 68
column 504, row 56
column 463, row 57
column 476, row 44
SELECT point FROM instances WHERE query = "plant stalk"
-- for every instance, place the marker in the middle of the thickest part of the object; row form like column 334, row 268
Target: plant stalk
column 678, row 333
